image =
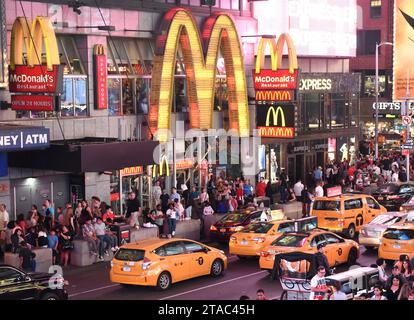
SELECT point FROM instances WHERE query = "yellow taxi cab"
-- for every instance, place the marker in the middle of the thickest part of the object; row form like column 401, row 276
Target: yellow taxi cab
column 398, row 239
column 161, row 262
column 254, row 237
column 346, row 213
column 337, row 249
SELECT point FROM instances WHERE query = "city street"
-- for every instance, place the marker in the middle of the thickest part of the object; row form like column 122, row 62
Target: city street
column 243, row 277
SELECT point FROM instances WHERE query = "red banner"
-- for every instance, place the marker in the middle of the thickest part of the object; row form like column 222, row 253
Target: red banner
column 275, row 80
column 36, row 79
column 32, row 102
column 100, row 75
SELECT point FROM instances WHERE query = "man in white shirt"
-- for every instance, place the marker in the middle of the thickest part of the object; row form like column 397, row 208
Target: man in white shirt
column 318, row 285
column 395, row 177
column 4, row 220
column 381, row 270
column 319, row 190
column 297, row 189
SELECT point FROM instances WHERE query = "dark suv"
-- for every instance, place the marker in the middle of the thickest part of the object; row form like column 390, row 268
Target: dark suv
column 393, row 195
column 18, row 285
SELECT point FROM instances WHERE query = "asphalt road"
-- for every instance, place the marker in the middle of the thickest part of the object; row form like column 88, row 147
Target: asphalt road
column 243, row 277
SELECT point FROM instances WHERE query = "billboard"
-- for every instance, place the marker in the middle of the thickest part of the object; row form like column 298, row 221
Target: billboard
column 276, row 120
column 323, row 28
column 200, row 55
column 403, row 49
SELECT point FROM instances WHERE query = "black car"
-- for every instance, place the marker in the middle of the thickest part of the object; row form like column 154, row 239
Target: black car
column 393, row 195
column 18, row 285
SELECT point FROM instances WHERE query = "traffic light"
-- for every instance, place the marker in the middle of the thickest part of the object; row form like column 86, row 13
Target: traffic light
column 403, row 136
column 208, row 3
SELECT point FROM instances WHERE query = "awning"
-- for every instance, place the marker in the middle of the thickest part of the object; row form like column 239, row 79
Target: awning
column 87, row 156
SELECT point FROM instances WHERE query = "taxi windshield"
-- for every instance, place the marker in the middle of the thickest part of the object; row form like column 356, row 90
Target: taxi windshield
column 130, row 255
column 258, row 228
column 289, row 240
column 385, row 219
column 399, row 234
column 327, row 205
column 233, row 218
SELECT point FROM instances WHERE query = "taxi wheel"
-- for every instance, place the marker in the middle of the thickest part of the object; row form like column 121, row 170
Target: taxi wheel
column 164, row 281
column 352, row 257
column 351, row 231
column 50, row 296
column 217, row 268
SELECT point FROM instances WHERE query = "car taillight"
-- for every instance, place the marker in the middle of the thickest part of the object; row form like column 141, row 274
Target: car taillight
column 146, row 264
column 264, row 254
column 213, row 228
column 259, row 240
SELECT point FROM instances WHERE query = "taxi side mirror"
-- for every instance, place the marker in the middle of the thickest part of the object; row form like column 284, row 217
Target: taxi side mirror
column 205, row 250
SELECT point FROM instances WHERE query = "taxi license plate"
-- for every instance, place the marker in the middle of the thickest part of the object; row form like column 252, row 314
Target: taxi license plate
column 126, row 269
column 397, row 246
column 243, row 242
column 223, row 230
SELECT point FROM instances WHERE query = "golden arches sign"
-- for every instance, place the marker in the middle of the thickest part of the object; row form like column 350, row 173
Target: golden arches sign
column 163, row 162
column 41, row 30
column 276, row 52
column 275, row 114
column 200, row 59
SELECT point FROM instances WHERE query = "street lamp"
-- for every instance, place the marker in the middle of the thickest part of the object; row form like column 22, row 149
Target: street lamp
column 377, row 93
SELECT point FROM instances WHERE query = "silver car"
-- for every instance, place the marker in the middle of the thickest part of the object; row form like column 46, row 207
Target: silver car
column 371, row 233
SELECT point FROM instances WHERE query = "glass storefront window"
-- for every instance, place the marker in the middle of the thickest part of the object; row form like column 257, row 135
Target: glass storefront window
column 114, row 96
column 127, row 97
column 354, row 110
column 339, row 109
column 312, row 113
column 142, row 94
column 235, row 4
column 80, row 97
column 67, row 98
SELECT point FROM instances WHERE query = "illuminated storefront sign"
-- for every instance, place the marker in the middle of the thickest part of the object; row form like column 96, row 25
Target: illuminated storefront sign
column 131, row 171
column 276, row 84
column 163, row 163
column 34, row 77
column 329, row 82
column 403, row 49
column 184, row 164
column 276, row 121
column 24, row 138
column 219, row 31
column 100, row 76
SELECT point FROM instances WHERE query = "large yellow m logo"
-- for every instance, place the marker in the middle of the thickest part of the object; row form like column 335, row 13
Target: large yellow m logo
column 276, row 52
column 200, row 60
column 41, row 30
column 275, row 114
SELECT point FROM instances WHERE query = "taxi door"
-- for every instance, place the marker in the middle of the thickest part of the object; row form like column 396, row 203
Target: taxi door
column 177, row 261
column 354, row 213
column 372, row 209
column 199, row 259
column 335, row 248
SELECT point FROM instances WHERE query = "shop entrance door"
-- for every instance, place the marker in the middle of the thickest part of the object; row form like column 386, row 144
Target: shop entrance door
column 291, row 164
column 299, row 170
column 310, row 162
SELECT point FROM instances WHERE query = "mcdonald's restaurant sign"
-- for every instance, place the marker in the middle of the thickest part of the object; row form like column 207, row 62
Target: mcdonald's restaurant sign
column 276, row 84
column 276, row 120
column 27, row 74
column 200, row 55
column 100, row 75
